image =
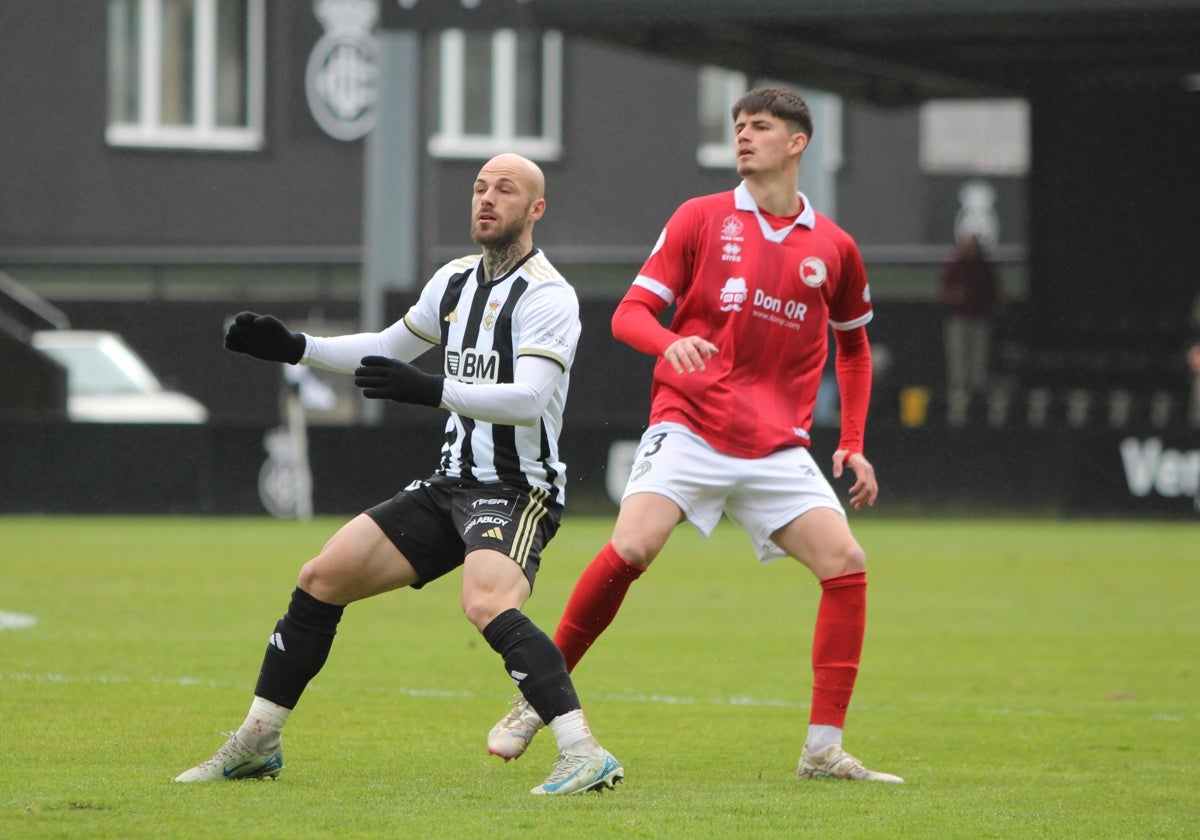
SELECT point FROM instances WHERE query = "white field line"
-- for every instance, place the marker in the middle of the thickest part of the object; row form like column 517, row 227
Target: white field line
column 650, row 699
column 15, row 620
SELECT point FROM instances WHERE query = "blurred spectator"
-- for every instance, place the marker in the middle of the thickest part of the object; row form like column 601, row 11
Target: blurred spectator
column 971, row 289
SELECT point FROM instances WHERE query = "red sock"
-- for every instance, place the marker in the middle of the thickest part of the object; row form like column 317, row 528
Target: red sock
column 837, row 646
column 594, row 603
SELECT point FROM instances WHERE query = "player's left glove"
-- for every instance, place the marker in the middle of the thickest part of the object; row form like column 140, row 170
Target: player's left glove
column 388, row 379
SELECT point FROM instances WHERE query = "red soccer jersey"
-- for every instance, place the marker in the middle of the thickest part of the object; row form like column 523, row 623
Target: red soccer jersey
column 766, row 298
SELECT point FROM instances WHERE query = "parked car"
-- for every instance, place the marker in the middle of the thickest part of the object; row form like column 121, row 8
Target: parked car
column 108, row 382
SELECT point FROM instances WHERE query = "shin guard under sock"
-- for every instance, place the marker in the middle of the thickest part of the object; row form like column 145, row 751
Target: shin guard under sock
column 594, row 603
column 534, row 664
column 298, row 648
column 837, row 646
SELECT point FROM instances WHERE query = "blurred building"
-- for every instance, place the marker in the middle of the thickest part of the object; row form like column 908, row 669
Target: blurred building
column 312, row 159
column 219, row 151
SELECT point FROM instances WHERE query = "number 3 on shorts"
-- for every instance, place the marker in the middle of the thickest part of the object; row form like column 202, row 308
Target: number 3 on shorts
column 654, row 445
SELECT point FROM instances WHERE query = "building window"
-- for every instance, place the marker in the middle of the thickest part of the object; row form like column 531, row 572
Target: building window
column 975, row 137
column 186, row 73
column 501, row 91
column 718, row 90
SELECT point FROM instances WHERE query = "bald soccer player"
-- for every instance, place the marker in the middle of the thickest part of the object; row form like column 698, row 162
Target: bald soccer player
column 509, row 325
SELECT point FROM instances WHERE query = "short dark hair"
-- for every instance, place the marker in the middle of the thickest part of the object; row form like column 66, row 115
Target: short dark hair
column 780, row 103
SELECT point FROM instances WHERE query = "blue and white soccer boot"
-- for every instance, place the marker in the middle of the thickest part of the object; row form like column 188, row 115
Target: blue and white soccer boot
column 592, row 768
column 236, row 761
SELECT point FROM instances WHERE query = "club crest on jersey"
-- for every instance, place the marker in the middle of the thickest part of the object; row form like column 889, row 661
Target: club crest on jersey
column 662, row 237
column 471, row 365
column 733, row 294
column 731, row 229
column 489, row 320
column 813, row 272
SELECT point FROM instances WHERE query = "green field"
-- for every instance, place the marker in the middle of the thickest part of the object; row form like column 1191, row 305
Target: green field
column 1028, row 679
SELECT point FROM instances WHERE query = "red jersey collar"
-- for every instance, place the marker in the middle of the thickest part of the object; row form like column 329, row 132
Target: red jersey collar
column 742, row 200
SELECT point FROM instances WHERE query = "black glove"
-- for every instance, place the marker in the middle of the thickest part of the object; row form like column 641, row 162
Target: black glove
column 264, row 337
column 389, row 379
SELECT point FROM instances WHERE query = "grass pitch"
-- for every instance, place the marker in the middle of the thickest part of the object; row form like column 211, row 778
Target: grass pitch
column 1028, row 679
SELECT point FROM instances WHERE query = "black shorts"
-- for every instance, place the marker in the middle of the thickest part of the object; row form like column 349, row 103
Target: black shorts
column 438, row 521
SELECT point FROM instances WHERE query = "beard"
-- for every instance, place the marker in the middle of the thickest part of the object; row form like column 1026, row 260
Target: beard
column 500, row 236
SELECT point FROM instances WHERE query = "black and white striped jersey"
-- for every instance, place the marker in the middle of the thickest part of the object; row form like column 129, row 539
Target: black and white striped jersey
column 483, row 327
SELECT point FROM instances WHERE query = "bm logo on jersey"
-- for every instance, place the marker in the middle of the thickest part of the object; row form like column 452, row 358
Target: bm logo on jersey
column 471, row 365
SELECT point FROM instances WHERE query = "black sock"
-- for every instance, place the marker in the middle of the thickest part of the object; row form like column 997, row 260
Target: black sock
column 298, row 648
column 534, row 663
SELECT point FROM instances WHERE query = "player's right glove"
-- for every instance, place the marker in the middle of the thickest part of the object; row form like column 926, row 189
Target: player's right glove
column 382, row 378
column 264, row 337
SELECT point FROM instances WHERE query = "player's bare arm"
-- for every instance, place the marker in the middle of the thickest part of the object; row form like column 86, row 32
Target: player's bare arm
column 687, row 354
column 865, row 488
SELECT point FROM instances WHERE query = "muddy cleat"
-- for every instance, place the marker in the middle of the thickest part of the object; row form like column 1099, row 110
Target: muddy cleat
column 581, row 772
column 835, row 763
column 235, row 761
column 511, row 736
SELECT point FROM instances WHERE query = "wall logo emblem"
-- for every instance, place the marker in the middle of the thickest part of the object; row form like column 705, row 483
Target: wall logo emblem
column 343, row 68
column 977, row 214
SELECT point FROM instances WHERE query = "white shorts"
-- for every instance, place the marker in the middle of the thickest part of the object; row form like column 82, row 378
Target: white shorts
column 760, row 495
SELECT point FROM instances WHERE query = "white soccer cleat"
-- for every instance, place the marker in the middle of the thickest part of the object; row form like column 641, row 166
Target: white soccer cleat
column 578, row 772
column 835, row 763
column 511, row 736
column 235, row 761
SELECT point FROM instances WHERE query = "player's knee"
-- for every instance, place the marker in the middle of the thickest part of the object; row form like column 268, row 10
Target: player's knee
column 309, row 575
column 853, row 559
column 845, row 560
column 635, row 551
column 481, row 608
column 317, row 579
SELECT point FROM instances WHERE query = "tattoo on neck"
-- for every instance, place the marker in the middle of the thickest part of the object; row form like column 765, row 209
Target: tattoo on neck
column 497, row 261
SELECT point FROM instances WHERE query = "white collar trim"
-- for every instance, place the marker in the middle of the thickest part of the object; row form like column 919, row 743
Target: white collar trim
column 742, row 200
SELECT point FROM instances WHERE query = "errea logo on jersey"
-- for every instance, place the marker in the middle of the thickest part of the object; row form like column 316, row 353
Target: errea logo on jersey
column 471, row 365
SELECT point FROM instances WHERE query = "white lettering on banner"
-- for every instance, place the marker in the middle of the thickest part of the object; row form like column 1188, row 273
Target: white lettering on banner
column 1168, row 472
